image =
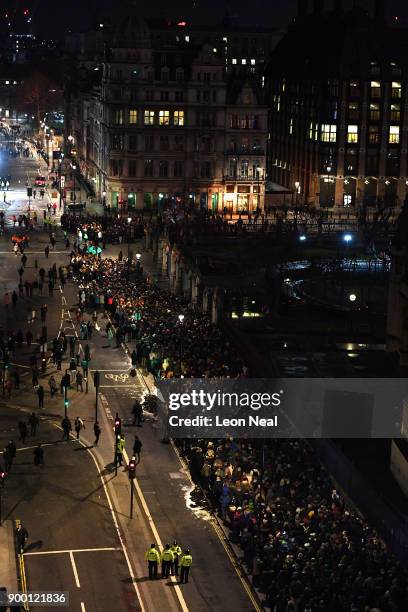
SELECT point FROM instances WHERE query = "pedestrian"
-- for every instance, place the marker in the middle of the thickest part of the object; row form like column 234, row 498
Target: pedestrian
column 79, row 381
column 40, row 393
column 52, row 385
column 167, row 559
column 97, row 432
column 176, row 550
column 8, row 386
column 43, row 310
column 137, row 448
column 21, row 536
column 39, row 455
column 120, row 445
column 137, row 412
column 14, row 298
column 185, row 564
column 79, row 424
column 152, row 557
column 87, row 353
column 7, row 460
column 66, row 428
column 33, row 421
column 22, row 427
column 47, row 251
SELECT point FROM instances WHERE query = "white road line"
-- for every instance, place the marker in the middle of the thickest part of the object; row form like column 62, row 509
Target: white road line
column 74, row 569
column 156, row 536
column 69, row 550
column 117, row 386
column 83, row 609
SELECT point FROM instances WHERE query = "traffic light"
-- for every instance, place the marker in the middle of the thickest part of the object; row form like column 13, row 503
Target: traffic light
column 66, row 404
column 2, row 479
column 29, row 192
column 97, row 379
column 118, row 425
column 132, row 468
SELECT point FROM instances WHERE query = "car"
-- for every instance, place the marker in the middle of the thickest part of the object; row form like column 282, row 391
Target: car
column 78, row 206
column 40, row 181
column 20, row 239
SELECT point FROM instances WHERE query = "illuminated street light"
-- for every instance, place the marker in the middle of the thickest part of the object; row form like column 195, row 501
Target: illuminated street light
column 347, row 238
column 302, row 238
column 352, row 297
column 181, row 318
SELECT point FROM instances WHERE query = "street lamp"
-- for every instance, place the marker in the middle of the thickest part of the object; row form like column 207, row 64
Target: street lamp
column 129, row 220
column 347, row 238
column 104, row 199
column 329, row 169
column 352, row 297
column 73, row 166
column 181, row 319
column 258, row 171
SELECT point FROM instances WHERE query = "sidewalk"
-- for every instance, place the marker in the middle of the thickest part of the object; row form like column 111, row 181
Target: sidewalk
column 8, row 558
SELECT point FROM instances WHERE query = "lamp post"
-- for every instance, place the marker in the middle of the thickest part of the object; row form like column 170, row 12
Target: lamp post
column 181, row 319
column 328, row 168
column 73, row 166
column 104, row 199
column 258, row 172
column 129, row 221
column 60, row 179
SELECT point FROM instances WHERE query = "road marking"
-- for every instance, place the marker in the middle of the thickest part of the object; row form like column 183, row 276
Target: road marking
column 83, row 609
column 117, row 386
column 74, row 569
column 70, row 550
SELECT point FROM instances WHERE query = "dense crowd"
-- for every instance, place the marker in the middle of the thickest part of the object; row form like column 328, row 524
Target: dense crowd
column 114, row 229
column 304, row 548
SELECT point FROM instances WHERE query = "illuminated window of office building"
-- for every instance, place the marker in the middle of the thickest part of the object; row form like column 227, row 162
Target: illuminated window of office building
column 179, row 118
column 396, row 89
column 133, row 116
column 352, row 133
column 373, row 134
column 164, row 117
column 149, row 117
column 374, row 112
column 395, row 114
column 394, row 134
column 328, row 132
column 375, row 89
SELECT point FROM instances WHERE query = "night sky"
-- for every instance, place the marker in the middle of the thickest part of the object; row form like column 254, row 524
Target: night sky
column 50, row 17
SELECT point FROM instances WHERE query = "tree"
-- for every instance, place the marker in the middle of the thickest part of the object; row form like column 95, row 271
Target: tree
column 40, row 94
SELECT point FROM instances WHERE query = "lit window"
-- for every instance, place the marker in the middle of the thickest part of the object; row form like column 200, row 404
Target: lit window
column 396, row 89
column 283, row 85
column 234, row 60
column 179, row 118
column 395, row 112
column 253, row 62
column 133, row 116
column 118, row 117
column 243, row 62
column 374, row 112
column 316, row 134
column 7, row 82
column 373, row 134
column 328, row 132
column 352, row 133
column 164, row 117
column 225, row 39
column 311, row 130
column 149, row 117
column 187, row 38
column 291, row 126
column 394, row 135
column 375, row 89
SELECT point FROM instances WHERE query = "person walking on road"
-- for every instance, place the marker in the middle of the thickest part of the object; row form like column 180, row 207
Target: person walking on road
column 22, row 427
column 176, row 550
column 185, row 564
column 137, row 448
column 43, row 311
column 39, row 455
column 52, row 385
column 97, row 432
column 167, row 559
column 40, row 393
column 22, row 536
column 120, row 445
column 79, row 424
column 79, row 381
column 47, row 251
column 152, row 557
column 137, row 412
column 66, row 427
column 33, row 421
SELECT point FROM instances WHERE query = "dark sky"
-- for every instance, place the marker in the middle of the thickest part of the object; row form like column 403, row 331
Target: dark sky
column 53, row 16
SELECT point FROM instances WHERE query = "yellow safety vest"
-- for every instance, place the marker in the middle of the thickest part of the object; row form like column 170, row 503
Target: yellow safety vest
column 186, row 561
column 176, row 550
column 152, row 555
column 167, row 555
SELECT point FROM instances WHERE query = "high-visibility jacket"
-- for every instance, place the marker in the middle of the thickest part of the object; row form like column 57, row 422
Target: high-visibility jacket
column 120, row 445
column 167, row 555
column 152, row 555
column 186, row 561
column 176, row 550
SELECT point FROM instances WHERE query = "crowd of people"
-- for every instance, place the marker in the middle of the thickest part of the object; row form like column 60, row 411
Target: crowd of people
column 114, row 229
column 303, row 547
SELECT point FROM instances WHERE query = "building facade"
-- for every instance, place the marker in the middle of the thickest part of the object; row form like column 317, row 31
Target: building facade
column 338, row 99
column 159, row 122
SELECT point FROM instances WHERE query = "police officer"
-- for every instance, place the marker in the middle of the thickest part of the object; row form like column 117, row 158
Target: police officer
column 176, row 550
column 185, row 564
column 152, row 557
column 120, row 445
column 167, row 559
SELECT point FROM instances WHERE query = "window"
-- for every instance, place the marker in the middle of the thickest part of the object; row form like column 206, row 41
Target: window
column 206, row 96
column 164, row 117
column 394, row 134
column 395, row 114
column 373, row 134
column 291, row 126
column 178, row 168
column 352, row 133
column 149, row 95
column 205, row 169
column 149, row 142
column 328, row 132
column 234, row 61
column 179, row 118
column 396, row 89
column 180, row 74
column 311, row 130
column 116, row 166
column 117, row 142
column 354, row 111
column 207, row 76
column 187, row 38
column 374, row 112
column 118, row 117
column 354, row 89
column 164, row 143
column 350, row 161
column 179, row 143
column 244, row 168
column 148, row 169
column 372, row 162
column 179, row 96
column 375, row 89
column 133, row 116
column 253, row 62
column 205, row 119
column 163, row 168
column 243, row 62
column 205, row 144
column 149, row 117
column 234, row 121
column 132, row 171
column 164, row 96
column 164, row 76
column 133, row 142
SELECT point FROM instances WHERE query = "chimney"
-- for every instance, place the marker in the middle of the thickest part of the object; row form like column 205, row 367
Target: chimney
column 379, row 10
